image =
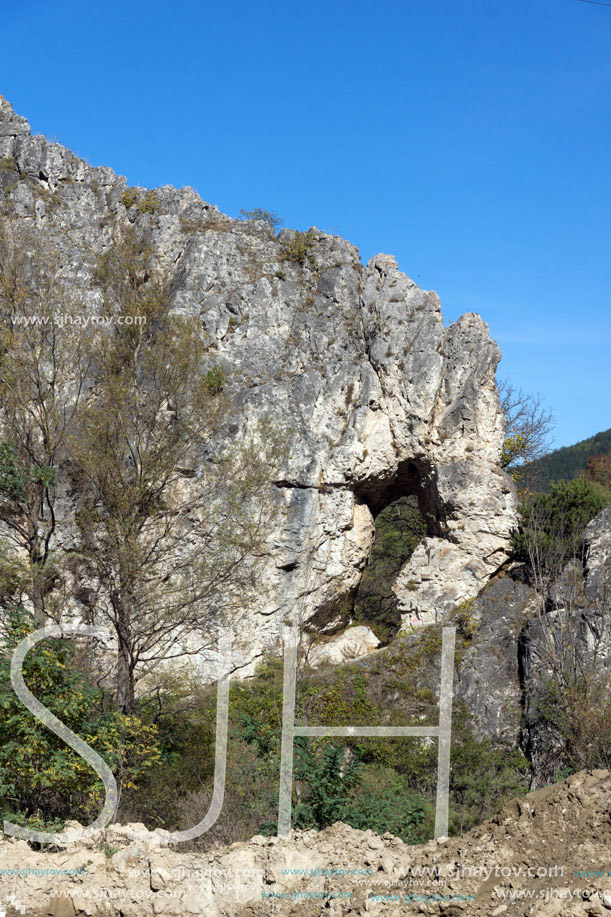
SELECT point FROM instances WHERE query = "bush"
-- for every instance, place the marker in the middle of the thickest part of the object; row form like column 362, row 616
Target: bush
column 552, row 525
column 573, row 722
column 385, row 784
column 335, row 785
column 483, row 776
column 15, row 481
column 147, row 203
column 299, row 247
column 214, row 381
column 42, row 780
column 130, row 197
column 329, row 776
column 384, row 802
column 268, row 216
column 177, row 795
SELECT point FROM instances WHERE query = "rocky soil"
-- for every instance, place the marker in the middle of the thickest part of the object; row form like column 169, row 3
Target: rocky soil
column 545, row 855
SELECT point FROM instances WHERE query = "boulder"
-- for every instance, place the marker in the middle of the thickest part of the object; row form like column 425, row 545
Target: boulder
column 351, row 644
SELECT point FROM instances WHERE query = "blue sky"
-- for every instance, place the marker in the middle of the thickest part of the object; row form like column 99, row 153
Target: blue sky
column 469, row 138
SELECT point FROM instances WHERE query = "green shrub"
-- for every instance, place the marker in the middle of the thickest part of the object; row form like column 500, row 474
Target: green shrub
column 12, row 480
column 214, row 380
column 338, row 699
column 335, row 785
column 464, row 619
column 184, row 717
column 42, row 780
column 573, row 721
column 268, row 216
column 7, row 163
column 149, row 203
column 19, row 484
column 299, row 247
column 384, row 802
column 551, row 525
column 329, row 777
column 130, row 197
column 484, row 776
column 386, row 784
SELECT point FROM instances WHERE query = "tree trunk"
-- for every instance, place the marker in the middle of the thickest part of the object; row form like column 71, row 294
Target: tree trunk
column 125, row 696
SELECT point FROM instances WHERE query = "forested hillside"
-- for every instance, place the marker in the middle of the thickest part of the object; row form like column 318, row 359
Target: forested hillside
column 568, row 462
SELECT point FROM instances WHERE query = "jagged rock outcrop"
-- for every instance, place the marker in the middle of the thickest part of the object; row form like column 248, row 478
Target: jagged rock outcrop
column 568, row 642
column 489, row 679
column 523, row 642
column 379, row 397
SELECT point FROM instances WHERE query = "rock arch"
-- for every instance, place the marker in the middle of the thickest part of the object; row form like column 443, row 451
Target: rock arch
column 377, row 395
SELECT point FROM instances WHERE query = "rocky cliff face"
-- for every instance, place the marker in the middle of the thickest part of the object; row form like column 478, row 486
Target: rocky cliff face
column 523, row 642
column 571, row 635
column 380, row 398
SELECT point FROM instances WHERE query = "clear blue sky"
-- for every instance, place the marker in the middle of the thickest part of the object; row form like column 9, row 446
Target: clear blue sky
column 470, row 138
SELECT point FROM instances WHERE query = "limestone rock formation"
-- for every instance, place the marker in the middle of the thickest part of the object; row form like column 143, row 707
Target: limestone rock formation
column 380, row 399
column 521, row 641
column 489, row 679
column 353, row 643
column 571, row 636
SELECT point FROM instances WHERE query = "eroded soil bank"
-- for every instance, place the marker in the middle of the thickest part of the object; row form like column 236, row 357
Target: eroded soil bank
column 547, row 854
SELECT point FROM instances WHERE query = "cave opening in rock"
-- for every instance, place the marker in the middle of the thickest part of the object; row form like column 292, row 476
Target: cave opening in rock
column 399, row 529
column 405, row 509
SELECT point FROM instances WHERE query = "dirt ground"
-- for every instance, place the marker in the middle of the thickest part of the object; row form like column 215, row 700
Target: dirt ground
column 545, row 855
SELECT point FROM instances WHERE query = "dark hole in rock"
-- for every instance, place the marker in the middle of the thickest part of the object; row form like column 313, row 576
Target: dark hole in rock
column 406, row 508
column 412, row 478
column 399, row 529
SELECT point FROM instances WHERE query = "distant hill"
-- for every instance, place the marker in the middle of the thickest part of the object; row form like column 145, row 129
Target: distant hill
column 568, row 462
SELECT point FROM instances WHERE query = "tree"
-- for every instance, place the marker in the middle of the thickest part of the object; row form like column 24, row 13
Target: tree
column 528, row 429
column 268, row 216
column 598, row 469
column 551, row 527
column 172, row 522
column 45, row 355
